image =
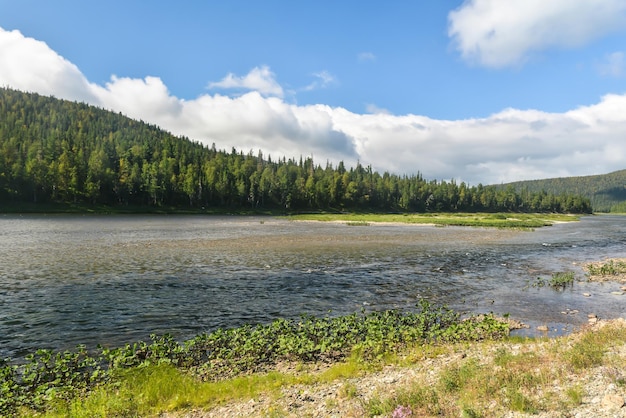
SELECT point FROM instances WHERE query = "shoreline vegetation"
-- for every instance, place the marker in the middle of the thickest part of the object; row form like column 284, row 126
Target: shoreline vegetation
column 495, row 220
column 476, row 219
column 429, row 362
column 581, row 374
column 65, row 383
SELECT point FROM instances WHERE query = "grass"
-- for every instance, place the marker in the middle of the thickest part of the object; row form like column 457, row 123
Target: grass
column 561, row 279
column 152, row 390
column 613, row 267
column 48, row 379
column 487, row 378
column 524, row 380
column 499, row 220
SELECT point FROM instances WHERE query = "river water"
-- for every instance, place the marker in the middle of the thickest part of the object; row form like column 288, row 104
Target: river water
column 110, row 280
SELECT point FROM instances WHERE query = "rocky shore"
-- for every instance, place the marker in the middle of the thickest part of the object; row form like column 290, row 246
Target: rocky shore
column 563, row 391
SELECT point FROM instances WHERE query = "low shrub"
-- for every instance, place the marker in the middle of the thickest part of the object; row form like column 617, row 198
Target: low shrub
column 48, row 376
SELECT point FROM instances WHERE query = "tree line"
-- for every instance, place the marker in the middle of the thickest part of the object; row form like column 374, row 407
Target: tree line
column 54, row 150
column 606, row 192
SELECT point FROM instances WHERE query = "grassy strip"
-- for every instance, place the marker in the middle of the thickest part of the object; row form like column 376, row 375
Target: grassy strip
column 59, row 380
column 486, row 378
column 498, row 220
column 527, row 377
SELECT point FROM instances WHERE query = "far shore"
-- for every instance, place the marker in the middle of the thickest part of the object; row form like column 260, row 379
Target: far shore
column 496, row 220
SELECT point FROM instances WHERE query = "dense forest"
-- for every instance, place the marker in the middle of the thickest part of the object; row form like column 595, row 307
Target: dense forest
column 606, row 192
column 56, row 151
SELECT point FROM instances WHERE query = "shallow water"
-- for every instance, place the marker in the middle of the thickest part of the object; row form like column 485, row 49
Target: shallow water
column 68, row 280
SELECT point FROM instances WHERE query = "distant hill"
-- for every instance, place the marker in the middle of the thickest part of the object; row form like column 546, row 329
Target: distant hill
column 59, row 152
column 607, row 192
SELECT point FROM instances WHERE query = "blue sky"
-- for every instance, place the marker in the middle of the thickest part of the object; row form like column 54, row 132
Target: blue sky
column 476, row 91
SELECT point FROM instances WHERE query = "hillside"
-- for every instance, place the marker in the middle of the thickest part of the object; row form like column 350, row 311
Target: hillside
column 59, row 152
column 606, row 192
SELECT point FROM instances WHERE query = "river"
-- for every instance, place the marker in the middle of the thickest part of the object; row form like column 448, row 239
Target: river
column 95, row 279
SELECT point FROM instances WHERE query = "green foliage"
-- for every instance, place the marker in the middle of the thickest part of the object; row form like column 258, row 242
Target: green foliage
column 59, row 152
column 575, row 394
column 46, row 377
column 605, row 192
column 558, row 281
column 610, row 268
column 497, row 220
column 588, row 352
column 51, row 378
column 561, row 279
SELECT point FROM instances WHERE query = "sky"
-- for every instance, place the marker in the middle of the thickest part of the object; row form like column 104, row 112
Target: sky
column 475, row 91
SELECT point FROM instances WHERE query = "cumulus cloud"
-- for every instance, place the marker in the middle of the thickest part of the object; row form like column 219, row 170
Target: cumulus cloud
column 259, row 79
column 509, row 145
column 31, row 65
column 497, row 34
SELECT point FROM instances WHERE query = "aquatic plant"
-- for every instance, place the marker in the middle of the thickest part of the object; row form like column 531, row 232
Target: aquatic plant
column 558, row 281
column 561, row 279
column 609, row 268
column 48, row 377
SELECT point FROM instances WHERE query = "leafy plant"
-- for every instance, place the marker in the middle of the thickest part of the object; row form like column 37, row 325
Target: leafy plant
column 609, row 268
column 558, row 281
column 561, row 279
column 47, row 377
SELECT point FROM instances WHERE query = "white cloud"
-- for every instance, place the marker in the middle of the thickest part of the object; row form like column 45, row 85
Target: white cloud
column 367, row 56
column 259, row 79
column 497, row 33
column 372, row 108
column 613, row 65
column 323, row 79
column 509, row 145
column 46, row 72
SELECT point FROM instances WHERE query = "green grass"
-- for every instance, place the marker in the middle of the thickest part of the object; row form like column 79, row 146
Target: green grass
column 494, row 379
column 607, row 268
column 154, row 389
column 561, row 279
column 498, row 220
column 505, row 381
column 48, row 379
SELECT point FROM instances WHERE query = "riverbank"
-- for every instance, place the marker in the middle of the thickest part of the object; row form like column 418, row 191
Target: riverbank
column 580, row 375
column 479, row 219
column 493, row 220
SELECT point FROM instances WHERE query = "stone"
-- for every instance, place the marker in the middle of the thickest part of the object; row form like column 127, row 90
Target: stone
column 613, row 401
column 592, row 315
column 617, row 293
column 542, row 328
column 587, row 295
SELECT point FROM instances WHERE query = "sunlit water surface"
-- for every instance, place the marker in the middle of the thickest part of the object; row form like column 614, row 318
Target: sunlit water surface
column 68, row 280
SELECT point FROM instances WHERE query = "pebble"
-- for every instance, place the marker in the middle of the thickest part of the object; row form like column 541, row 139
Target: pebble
column 586, row 295
column 613, row 401
column 542, row 328
column 617, row 293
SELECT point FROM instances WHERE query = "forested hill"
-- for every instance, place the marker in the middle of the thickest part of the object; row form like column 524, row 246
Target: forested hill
column 607, row 192
column 56, row 151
